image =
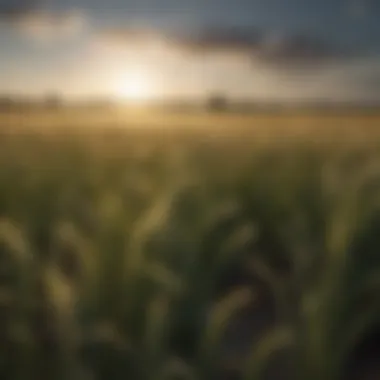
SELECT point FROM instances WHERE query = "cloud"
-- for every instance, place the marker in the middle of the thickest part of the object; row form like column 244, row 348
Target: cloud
column 50, row 26
column 208, row 41
column 268, row 48
column 32, row 20
column 299, row 51
column 10, row 9
column 229, row 40
column 129, row 36
column 257, row 45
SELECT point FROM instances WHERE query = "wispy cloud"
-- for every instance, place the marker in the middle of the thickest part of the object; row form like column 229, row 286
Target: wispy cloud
column 43, row 25
column 32, row 20
column 123, row 36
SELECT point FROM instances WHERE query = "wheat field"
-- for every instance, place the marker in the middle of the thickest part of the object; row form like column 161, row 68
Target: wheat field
column 161, row 246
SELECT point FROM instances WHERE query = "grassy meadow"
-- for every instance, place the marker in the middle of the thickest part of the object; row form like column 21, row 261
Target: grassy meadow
column 153, row 246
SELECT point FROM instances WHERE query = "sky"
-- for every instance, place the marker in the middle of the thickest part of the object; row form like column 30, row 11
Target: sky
column 259, row 49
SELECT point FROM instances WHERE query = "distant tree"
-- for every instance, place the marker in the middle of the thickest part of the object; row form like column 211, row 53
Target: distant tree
column 217, row 102
column 6, row 102
column 53, row 101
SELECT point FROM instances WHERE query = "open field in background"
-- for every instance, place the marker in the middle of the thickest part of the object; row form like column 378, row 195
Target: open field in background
column 161, row 246
column 304, row 122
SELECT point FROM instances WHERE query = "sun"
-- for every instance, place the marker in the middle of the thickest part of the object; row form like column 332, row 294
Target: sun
column 135, row 87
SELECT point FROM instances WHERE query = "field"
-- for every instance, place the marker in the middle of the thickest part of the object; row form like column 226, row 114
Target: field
column 157, row 246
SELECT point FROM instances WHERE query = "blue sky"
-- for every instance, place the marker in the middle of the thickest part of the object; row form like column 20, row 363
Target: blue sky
column 257, row 48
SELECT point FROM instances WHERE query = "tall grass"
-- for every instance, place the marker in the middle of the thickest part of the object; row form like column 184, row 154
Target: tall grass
column 153, row 255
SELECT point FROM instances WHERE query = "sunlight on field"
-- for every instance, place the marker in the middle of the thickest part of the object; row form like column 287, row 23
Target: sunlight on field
column 303, row 124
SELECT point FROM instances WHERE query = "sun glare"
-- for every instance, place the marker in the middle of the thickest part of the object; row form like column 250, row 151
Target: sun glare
column 135, row 87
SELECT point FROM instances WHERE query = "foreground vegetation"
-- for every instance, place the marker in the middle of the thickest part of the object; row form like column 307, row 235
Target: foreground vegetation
column 246, row 250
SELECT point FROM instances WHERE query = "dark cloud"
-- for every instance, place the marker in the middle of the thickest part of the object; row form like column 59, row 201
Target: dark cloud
column 261, row 46
column 12, row 9
column 281, row 50
column 299, row 50
column 230, row 40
